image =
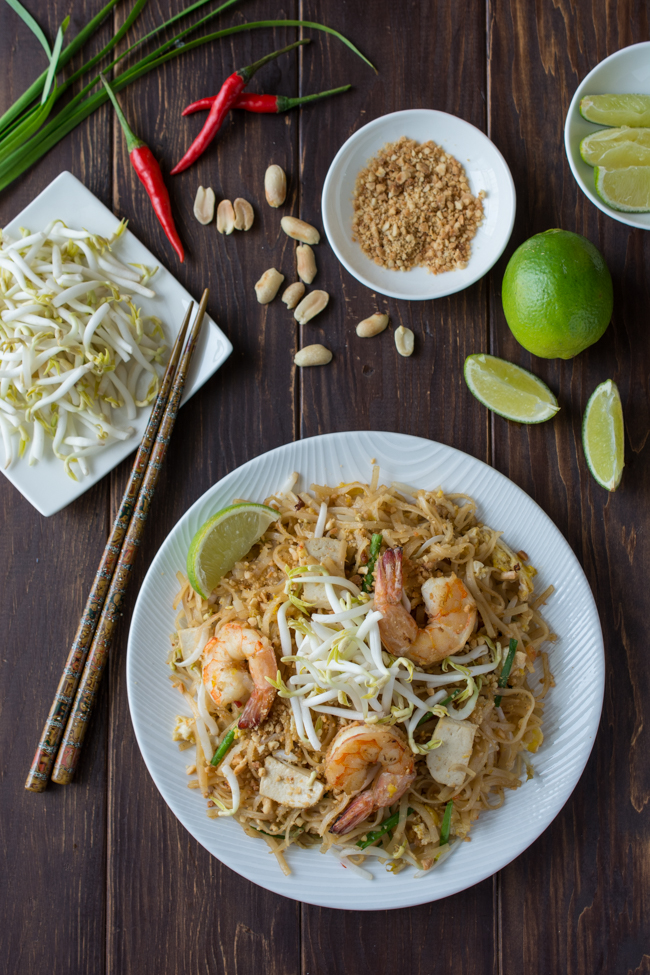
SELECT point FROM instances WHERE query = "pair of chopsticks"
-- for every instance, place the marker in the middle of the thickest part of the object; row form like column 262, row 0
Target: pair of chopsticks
column 62, row 737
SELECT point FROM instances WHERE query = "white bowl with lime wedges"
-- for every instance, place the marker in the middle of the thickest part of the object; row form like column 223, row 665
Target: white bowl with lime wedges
column 607, row 136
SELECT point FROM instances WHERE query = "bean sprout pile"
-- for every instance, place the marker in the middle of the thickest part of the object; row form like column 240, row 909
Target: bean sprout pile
column 340, row 659
column 76, row 354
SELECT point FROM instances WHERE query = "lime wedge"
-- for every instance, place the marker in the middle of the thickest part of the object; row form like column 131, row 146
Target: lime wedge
column 603, row 437
column 616, row 109
column 624, row 189
column 615, row 155
column 223, row 540
column 509, row 390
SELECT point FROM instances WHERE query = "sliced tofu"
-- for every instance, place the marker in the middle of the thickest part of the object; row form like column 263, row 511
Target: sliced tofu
column 319, row 549
column 191, row 639
column 457, row 739
column 289, row 785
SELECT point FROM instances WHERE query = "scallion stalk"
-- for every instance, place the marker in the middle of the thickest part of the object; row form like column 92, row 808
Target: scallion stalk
column 223, row 747
column 446, row 823
column 505, row 670
column 25, row 155
column 387, row 825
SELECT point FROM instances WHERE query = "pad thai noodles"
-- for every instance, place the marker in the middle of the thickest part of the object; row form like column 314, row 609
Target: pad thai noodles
column 363, row 681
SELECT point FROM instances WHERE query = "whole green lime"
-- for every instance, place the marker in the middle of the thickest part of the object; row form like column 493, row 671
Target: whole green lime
column 557, row 294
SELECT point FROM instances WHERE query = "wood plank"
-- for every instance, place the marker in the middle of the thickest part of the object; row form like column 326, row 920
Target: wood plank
column 172, row 906
column 369, row 386
column 573, row 902
column 52, row 844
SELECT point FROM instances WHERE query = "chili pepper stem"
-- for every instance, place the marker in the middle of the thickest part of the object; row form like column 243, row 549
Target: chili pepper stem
column 247, row 73
column 285, row 104
column 132, row 141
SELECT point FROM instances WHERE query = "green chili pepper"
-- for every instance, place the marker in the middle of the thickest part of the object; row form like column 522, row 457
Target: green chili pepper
column 442, row 704
column 446, row 823
column 505, row 671
column 375, row 545
column 387, row 825
column 223, row 747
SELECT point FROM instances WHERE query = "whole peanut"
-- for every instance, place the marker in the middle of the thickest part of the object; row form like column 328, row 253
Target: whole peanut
column 306, row 263
column 299, row 230
column 293, row 294
column 311, row 306
column 313, row 355
column 267, row 287
column 372, row 326
column 275, row 186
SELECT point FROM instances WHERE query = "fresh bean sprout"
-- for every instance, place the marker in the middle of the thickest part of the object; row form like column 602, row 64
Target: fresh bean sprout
column 68, row 326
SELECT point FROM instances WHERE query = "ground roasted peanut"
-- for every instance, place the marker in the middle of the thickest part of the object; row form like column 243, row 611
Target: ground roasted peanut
column 413, row 207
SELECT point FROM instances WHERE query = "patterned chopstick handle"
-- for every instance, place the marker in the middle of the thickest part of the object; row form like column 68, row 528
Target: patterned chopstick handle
column 45, row 754
column 86, row 695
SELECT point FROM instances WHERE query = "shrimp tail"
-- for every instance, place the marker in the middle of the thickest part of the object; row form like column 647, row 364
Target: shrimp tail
column 398, row 629
column 358, row 810
column 257, row 708
column 388, row 580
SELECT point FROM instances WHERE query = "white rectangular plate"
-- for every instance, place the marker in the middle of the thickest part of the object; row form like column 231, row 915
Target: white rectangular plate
column 46, row 485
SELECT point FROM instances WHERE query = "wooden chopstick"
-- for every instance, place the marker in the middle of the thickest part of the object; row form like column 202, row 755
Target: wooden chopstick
column 41, row 767
column 75, row 731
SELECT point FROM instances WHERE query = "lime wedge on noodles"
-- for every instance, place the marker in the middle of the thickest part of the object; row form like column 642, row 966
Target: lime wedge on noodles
column 603, row 437
column 616, row 109
column 509, row 390
column 224, row 539
column 624, row 189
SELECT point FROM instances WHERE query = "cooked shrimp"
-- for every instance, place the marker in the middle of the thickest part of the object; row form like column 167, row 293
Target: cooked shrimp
column 227, row 680
column 450, row 607
column 349, row 760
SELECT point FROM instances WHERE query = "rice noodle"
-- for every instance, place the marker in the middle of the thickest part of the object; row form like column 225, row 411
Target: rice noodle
column 333, row 669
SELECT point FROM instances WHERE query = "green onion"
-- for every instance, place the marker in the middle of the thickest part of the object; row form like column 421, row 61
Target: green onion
column 375, row 545
column 442, row 704
column 387, row 825
column 223, row 747
column 505, row 670
column 36, row 87
column 31, row 23
column 25, row 155
column 446, row 823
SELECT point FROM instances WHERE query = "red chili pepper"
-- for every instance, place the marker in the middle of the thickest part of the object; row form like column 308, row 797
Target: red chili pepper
column 223, row 102
column 263, row 104
column 145, row 165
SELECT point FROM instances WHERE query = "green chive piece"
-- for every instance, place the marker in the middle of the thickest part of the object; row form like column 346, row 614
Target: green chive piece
column 223, row 747
column 387, row 825
column 375, row 545
column 446, row 823
column 505, row 670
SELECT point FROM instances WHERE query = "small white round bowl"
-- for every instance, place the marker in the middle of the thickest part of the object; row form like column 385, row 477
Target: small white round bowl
column 486, row 170
column 627, row 72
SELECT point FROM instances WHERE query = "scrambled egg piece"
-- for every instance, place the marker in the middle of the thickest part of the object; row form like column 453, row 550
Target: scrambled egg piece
column 183, row 730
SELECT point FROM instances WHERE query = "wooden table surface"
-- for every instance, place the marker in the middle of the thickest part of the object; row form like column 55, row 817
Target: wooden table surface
column 99, row 877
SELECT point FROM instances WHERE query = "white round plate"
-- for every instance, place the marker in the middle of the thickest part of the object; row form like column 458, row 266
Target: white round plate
column 627, row 72
column 486, row 170
column 573, row 707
